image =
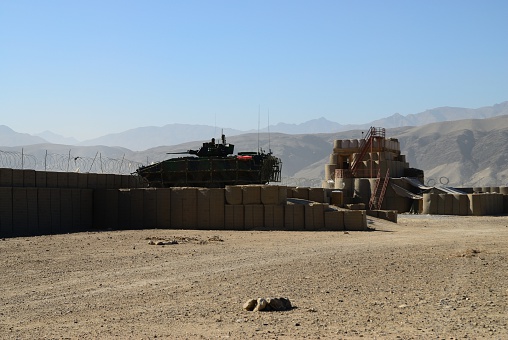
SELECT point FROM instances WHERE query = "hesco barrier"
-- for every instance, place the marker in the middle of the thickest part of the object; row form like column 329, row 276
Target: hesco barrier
column 50, row 179
column 118, row 202
column 478, row 204
column 41, row 211
column 26, row 211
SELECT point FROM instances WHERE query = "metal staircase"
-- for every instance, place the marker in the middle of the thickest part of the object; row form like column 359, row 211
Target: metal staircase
column 377, row 196
column 369, row 139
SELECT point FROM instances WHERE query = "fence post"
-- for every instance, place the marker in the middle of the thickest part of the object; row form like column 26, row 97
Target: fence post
column 93, row 161
column 121, row 164
column 68, row 160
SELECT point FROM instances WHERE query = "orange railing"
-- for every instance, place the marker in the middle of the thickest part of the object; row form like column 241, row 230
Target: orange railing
column 371, row 134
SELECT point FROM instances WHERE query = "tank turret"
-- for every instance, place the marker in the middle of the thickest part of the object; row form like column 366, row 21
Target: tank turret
column 211, row 149
column 215, row 166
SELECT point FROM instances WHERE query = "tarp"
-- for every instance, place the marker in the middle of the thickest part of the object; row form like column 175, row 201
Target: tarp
column 404, row 193
column 416, row 183
column 450, row 190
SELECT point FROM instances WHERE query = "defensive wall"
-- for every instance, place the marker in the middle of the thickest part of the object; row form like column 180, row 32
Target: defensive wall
column 44, row 202
column 405, row 191
column 474, row 204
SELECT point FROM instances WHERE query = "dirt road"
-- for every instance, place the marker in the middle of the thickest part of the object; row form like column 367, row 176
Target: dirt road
column 424, row 277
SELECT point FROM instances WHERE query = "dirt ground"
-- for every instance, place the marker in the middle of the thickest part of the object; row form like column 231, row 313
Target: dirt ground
column 424, row 277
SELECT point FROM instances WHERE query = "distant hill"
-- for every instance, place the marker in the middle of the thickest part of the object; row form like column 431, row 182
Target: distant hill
column 320, row 125
column 9, row 137
column 57, row 139
column 152, row 136
column 442, row 114
column 148, row 137
column 467, row 152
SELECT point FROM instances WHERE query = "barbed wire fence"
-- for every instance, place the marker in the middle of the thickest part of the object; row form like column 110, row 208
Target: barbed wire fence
column 68, row 163
column 301, row 182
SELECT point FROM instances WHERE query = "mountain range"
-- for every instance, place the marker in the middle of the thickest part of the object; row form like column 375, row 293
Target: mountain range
column 467, row 152
column 143, row 138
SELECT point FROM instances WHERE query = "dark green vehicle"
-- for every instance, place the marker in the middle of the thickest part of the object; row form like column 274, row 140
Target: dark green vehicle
column 213, row 166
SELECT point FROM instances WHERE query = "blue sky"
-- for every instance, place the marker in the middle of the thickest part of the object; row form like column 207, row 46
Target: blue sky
column 88, row 68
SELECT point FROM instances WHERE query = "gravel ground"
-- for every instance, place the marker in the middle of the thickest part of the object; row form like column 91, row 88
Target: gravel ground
column 424, row 277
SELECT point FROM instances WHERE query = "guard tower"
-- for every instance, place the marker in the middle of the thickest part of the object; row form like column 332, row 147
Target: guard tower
column 363, row 167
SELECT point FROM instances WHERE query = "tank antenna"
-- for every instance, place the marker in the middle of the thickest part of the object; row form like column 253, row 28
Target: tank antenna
column 269, row 145
column 259, row 122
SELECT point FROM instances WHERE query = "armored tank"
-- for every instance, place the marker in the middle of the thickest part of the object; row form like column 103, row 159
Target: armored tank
column 213, row 166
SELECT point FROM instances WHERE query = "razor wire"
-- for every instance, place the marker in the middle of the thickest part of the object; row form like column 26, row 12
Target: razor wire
column 301, row 182
column 17, row 160
column 68, row 163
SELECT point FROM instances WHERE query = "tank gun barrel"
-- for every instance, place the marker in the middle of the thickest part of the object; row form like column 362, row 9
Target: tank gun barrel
column 188, row 152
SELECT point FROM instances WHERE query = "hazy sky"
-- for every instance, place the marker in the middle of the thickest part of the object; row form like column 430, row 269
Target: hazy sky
column 88, row 68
